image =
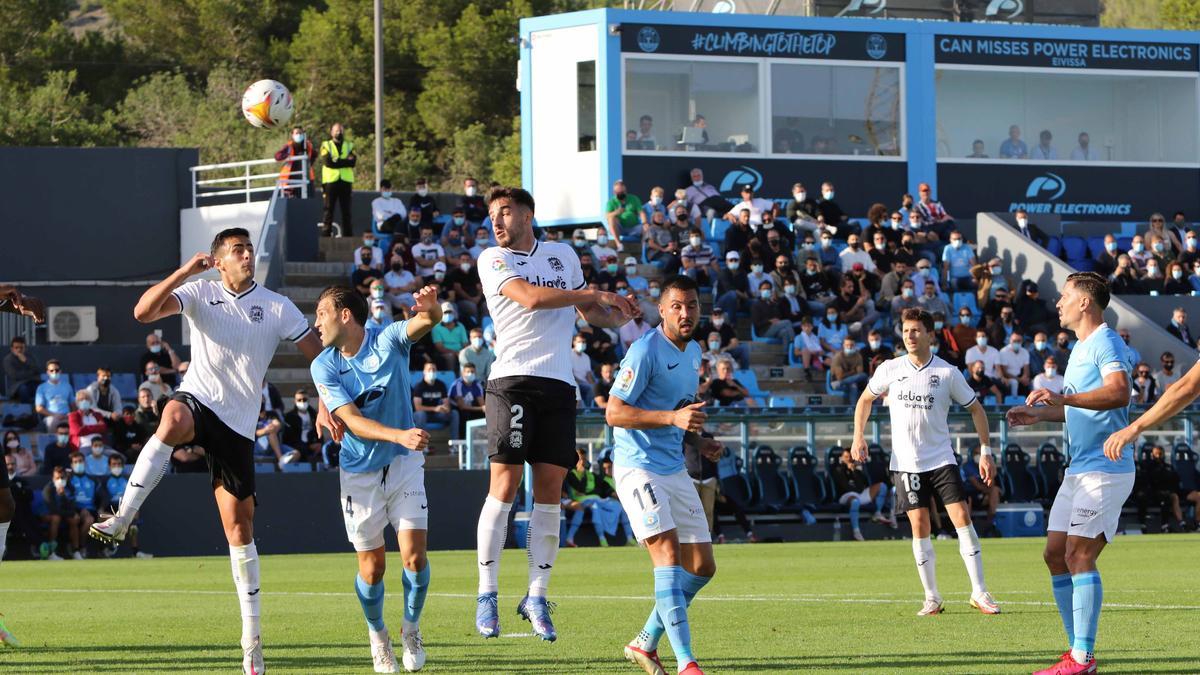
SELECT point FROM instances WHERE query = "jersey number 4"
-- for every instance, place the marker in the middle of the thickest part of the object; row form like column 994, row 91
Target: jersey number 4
column 649, row 489
column 349, row 506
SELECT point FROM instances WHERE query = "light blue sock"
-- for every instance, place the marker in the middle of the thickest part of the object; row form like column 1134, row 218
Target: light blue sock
column 576, row 522
column 370, row 596
column 672, row 610
column 880, row 499
column 1063, row 592
column 854, row 507
column 1087, row 598
column 416, row 584
column 652, row 632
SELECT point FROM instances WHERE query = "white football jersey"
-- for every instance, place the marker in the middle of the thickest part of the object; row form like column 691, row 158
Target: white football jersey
column 919, row 399
column 531, row 342
column 233, row 341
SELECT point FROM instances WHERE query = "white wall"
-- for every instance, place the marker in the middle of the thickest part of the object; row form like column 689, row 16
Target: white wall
column 198, row 226
column 566, row 182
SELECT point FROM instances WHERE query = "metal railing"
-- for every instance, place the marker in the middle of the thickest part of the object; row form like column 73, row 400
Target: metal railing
column 12, row 325
column 249, row 183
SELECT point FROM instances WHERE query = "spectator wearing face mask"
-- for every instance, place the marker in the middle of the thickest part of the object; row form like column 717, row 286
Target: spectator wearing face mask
column 105, row 396
column 662, row 249
column 1190, row 254
column 981, row 352
column 854, row 306
column 949, row 346
column 128, row 436
column 1145, row 386
column 794, row 306
column 291, row 154
column 1106, row 262
column 980, row 383
column 957, row 261
column 95, row 462
column 610, row 276
column 603, row 249
column 427, row 252
column 478, row 354
column 1175, row 282
column 1002, row 327
column 656, row 204
column 454, row 240
column 465, row 290
column 160, row 352
column 1041, row 350
column 84, row 421
column 623, row 213
column 422, row 202
column 831, row 331
column 769, row 316
column 855, row 254
column 690, row 213
column 449, row 338
column 802, row 210
column 25, row 463
column 636, row 281
column 380, row 316
column 58, row 452
column 413, row 226
column 466, row 397
column 83, row 489
column 739, row 235
column 1161, row 249
column 473, row 205
column 1139, row 253
column 1125, row 280
column 934, row 218
column 807, row 349
column 53, row 399
column 364, row 275
column 1014, row 364
column 482, row 241
column 1179, row 326
column 154, row 383
column 699, row 260
column 369, row 252
column 989, row 277
column 400, row 284
column 758, row 275
column 732, row 286
column 907, row 299
column 300, row 428
column 1049, row 378
column 719, row 323
column 431, row 400
column 22, row 371
column 581, row 368
column 757, row 206
column 874, row 352
column 588, row 267
column 111, row 489
column 61, row 513
column 1167, row 375
column 836, row 221
column 388, row 210
column 1152, row 279
column 848, row 371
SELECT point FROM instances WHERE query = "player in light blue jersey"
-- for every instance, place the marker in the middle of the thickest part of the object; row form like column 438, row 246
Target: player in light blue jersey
column 1094, row 404
column 652, row 408
column 362, row 377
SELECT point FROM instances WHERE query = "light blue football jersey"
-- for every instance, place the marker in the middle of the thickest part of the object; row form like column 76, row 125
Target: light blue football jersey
column 655, row 375
column 375, row 380
column 1103, row 352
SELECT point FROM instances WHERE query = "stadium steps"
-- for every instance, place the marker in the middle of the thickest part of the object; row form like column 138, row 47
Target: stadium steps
column 340, row 249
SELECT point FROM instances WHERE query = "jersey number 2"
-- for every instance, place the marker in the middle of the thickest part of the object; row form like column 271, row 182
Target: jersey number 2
column 518, row 413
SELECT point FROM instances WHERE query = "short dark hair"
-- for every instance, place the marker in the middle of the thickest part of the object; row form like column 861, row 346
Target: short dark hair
column 53, row 362
column 229, row 233
column 17, row 339
column 679, row 282
column 385, row 183
column 344, row 297
column 917, row 314
column 516, row 195
column 1093, row 285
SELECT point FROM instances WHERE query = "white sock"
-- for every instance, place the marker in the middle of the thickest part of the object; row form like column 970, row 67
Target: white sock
column 489, row 542
column 926, row 567
column 245, row 579
column 3, row 538
column 378, row 638
column 542, row 547
column 149, row 468
column 1080, row 656
column 972, row 555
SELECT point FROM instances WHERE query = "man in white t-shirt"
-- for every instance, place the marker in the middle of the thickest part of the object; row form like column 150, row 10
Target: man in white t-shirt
column 920, row 387
column 534, row 291
column 427, row 252
column 376, row 253
column 1049, row 378
column 581, row 368
column 982, row 352
column 401, row 284
column 754, row 205
column 388, row 211
column 1014, row 362
column 235, row 326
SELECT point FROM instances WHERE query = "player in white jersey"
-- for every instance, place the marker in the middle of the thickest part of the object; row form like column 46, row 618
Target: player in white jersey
column 920, row 388
column 534, row 292
column 1094, row 407
column 236, row 325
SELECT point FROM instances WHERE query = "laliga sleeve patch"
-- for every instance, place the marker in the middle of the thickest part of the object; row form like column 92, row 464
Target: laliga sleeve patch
column 625, row 379
column 500, row 266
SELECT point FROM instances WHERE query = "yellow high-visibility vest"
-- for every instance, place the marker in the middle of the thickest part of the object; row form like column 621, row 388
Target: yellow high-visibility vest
column 328, row 174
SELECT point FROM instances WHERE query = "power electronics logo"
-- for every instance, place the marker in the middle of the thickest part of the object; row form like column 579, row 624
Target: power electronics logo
column 1011, row 8
column 1045, row 195
column 863, row 7
column 743, row 175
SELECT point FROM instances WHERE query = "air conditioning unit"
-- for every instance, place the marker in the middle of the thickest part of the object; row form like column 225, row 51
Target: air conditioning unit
column 73, row 324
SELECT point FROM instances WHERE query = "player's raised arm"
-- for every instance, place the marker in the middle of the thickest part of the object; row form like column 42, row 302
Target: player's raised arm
column 15, row 302
column 1177, row 397
column 862, row 413
column 158, row 302
column 427, row 312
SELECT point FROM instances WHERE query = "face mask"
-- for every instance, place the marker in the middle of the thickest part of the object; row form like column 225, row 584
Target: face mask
column 470, row 190
column 848, row 351
column 581, row 323
column 934, row 349
column 396, row 267
column 874, row 343
column 298, row 138
column 964, row 320
column 116, row 471
column 765, row 294
column 1039, row 345
column 1177, row 273
column 448, row 317
column 60, row 483
column 438, row 276
column 63, row 439
column 1006, row 318
column 768, row 224
column 301, row 405
column 826, row 242
column 655, row 291
column 377, row 293
column 97, row 450
column 757, row 268
column 790, row 290
column 978, row 373
column 695, row 241
column 601, row 240
column 465, row 267
column 156, row 349
column 468, row 377
column 810, row 272
column 13, row 444
column 1158, row 247
column 619, row 194
column 611, row 268
column 800, row 196
column 1151, row 270
column 906, row 243
column 1139, row 247
column 827, row 195
column 459, row 220
column 996, row 271
column 53, row 377
column 630, row 271
column 714, row 345
column 956, row 243
column 339, row 136
column 477, row 342
column 718, row 321
column 908, row 292
column 832, row 318
column 378, row 314
column 1022, row 222
column 1015, row 346
column 1051, row 371
column 370, row 241
column 1110, row 246
column 733, row 265
column 656, row 200
column 981, row 341
column 938, row 325
column 427, row 239
column 579, row 243
column 697, row 183
column 84, row 405
column 580, row 347
column 422, row 191
column 430, row 378
column 681, row 216
column 78, row 468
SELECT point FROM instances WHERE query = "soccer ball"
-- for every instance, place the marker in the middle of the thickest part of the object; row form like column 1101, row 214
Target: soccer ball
column 267, row 104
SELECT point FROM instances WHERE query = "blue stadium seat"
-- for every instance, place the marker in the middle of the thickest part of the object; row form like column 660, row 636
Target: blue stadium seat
column 989, row 401
column 1054, row 246
column 1123, row 243
column 1083, row 264
column 1095, row 246
column 737, row 487
column 754, row 337
column 772, row 484
column 966, row 299
column 829, row 390
column 1019, row 481
column 1075, row 248
column 878, row 466
column 264, row 467
column 1014, row 400
column 781, row 402
column 807, row 492
column 749, row 380
column 127, row 386
column 15, row 409
column 298, row 467
column 791, row 355
column 716, row 230
column 82, row 380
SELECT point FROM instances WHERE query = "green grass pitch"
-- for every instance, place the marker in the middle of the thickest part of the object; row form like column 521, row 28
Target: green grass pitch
column 842, row 607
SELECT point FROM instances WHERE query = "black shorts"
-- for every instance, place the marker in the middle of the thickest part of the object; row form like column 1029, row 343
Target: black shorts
column 916, row 490
column 531, row 419
column 230, row 455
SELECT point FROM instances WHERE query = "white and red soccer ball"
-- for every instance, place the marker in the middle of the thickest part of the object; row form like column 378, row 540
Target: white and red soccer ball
column 267, row 104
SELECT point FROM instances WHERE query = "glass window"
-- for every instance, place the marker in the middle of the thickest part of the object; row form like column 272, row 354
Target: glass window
column 835, row 110
column 1082, row 117
column 703, row 106
column 585, row 103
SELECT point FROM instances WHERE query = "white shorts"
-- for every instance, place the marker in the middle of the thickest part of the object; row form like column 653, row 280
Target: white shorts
column 394, row 494
column 1089, row 504
column 657, row 504
column 864, row 497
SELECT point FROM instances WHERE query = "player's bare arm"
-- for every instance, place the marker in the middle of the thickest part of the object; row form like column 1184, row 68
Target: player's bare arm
column 529, row 296
column 690, row 418
column 1025, row 415
column 15, row 302
column 862, row 413
column 610, row 310
column 427, row 313
column 987, row 466
column 310, row 347
column 1177, row 397
column 369, row 429
column 157, row 302
column 1113, row 394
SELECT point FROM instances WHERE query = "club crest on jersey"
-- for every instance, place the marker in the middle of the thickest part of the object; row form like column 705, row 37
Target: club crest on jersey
column 935, row 380
column 651, row 520
column 498, row 265
column 256, row 314
column 516, row 439
column 371, row 362
column 555, row 264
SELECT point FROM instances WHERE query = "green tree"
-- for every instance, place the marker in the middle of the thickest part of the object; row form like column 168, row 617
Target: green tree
column 51, row 113
column 1131, row 14
column 1181, row 14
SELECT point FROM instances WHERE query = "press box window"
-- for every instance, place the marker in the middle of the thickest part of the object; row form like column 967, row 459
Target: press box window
column 585, row 104
column 702, row 105
column 835, row 110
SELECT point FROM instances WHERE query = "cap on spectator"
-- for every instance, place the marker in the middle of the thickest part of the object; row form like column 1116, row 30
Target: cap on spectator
column 747, row 188
column 858, row 267
column 439, row 266
column 447, row 307
column 733, row 255
column 578, row 234
column 457, row 209
column 630, row 261
column 718, row 310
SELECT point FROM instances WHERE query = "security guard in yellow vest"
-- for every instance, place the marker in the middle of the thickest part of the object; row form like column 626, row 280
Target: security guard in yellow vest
column 337, row 178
